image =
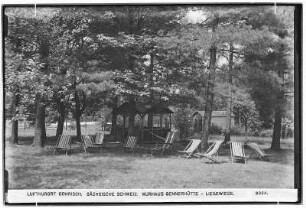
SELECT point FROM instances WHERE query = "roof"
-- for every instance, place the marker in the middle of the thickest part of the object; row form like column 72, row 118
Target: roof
column 213, row 114
column 125, row 108
column 159, row 110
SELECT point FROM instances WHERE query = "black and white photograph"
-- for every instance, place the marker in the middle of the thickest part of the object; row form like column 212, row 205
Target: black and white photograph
column 146, row 103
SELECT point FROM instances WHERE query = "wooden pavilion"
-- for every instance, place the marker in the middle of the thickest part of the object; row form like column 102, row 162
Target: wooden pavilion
column 147, row 131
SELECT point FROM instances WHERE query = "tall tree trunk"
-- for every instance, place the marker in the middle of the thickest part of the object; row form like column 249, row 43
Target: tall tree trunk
column 239, row 119
column 275, row 145
column 151, row 70
column 78, row 115
column 60, row 120
column 207, row 119
column 246, row 129
column 14, row 131
column 230, row 82
column 40, row 131
column 114, row 115
column 132, row 114
column 210, row 88
column 277, row 130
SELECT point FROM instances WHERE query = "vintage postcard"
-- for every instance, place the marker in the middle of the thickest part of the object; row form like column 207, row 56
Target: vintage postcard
column 147, row 103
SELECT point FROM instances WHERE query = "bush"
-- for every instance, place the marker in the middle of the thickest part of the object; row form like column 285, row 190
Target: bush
column 267, row 133
column 238, row 131
column 183, row 122
column 215, row 129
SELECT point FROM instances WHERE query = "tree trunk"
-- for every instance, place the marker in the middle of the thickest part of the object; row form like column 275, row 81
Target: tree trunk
column 114, row 116
column 277, row 130
column 151, row 70
column 132, row 114
column 246, row 129
column 210, row 88
column 60, row 121
column 230, row 82
column 40, row 131
column 14, row 132
column 207, row 119
column 239, row 119
column 78, row 115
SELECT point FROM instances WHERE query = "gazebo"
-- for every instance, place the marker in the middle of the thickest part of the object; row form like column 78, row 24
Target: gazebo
column 147, row 133
column 160, row 111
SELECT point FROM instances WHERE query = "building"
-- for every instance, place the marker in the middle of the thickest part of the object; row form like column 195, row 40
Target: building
column 218, row 118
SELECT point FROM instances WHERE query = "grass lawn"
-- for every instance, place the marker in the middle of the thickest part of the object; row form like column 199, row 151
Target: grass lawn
column 34, row 168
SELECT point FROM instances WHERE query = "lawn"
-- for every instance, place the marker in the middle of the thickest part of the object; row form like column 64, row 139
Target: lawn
column 34, row 168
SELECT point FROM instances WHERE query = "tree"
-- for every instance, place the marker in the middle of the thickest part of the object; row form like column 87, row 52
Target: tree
column 275, row 59
column 134, row 38
column 245, row 107
column 12, row 63
column 77, row 61
column 23, row 38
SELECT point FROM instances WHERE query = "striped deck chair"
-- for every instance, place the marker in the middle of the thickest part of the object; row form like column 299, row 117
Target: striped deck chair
column 99, row 139
column 169, row 134
column 87, row 143
column 260, row 152
column 131, row 144
column 191, row 148
column 63, row 144
column 162, row 147
column 237, row 152
column 211, row 151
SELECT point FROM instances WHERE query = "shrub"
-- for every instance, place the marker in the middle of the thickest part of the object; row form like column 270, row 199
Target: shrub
column 183, row 122
column 215, row 129
column 238, row 131
column 267, row 133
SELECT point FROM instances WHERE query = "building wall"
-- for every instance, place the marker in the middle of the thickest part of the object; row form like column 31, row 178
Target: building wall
column 220, row 121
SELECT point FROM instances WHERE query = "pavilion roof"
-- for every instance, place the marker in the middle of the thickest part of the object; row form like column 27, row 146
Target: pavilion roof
column 125, row 108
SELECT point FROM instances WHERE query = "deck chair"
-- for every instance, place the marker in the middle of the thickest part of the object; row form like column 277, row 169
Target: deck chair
column 191, row 148
column 87, row 143
column 131, row 144
column 63, row 144
column 99, row 139
column 237, row 152
column 169, row 134
column 260, row 152
column 162, row 147
column 211, row 151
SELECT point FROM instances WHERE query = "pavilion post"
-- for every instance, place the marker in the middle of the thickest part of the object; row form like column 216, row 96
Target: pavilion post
column 123, row 125
column 161, row 121
column 152, row 127
column 142, row 139
column 170, row 122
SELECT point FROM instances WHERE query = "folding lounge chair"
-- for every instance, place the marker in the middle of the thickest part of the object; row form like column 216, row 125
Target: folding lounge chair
column 99, row 139
column 162, row 147
column 211, row 151
column 63, row 144
column 260, row 152
column 169, row 134
column 191, row 148
column 87, row 143
column 237, row 152
column 131, row 144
